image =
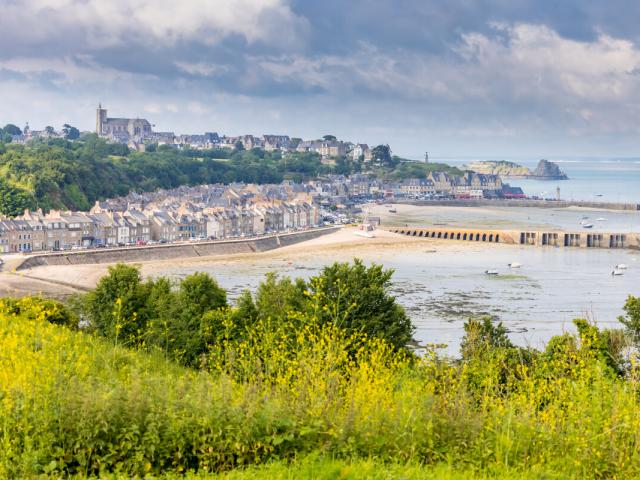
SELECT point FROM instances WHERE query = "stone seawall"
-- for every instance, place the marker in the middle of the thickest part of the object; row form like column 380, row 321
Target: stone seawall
column 550, row 238
column 521, row 203
column 173, row 251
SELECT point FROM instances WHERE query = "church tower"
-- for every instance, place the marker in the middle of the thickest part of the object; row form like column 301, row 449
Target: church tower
column 101, row 119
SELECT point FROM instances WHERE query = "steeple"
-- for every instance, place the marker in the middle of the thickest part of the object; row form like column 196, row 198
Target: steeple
column 101, row 117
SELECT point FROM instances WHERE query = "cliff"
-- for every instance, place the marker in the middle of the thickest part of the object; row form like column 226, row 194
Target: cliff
column 547, row 170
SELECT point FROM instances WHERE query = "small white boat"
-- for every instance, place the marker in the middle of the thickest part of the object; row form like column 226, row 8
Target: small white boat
column 514, row 265
column 621, row 266
column 601, row 219
column 392, row 210
column 587, row 225
column 617, row 273
column 491, row 272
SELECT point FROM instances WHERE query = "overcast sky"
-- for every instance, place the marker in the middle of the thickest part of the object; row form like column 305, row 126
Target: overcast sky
column 454, row 77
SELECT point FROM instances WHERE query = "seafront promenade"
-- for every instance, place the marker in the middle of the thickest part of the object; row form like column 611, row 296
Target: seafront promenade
column 542, row 238
column 169, row 251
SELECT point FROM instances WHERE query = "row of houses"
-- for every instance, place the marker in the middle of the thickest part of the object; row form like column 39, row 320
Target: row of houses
column 469, row 185
column 103, row 227
column 283, row 143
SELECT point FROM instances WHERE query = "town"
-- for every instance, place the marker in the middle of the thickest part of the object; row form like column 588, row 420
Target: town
column 212, row 212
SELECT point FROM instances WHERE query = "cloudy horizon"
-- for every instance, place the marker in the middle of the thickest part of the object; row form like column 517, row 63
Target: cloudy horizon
column 456, row 78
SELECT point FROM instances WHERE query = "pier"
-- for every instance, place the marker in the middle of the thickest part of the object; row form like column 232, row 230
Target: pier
column 541, row 238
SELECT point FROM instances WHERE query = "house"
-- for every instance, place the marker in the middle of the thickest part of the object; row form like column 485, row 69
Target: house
column 276, row 142
column 442, row 182
column 162, row 226
column 417, row 186
column 361, row 150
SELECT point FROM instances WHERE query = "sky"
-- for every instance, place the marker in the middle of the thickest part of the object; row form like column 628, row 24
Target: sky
column 484, row 78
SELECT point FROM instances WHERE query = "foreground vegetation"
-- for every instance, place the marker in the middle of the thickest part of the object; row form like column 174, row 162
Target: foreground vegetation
column 295, row 381
column 73, row 175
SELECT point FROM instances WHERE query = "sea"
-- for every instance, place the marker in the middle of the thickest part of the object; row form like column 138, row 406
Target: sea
column 613, row 180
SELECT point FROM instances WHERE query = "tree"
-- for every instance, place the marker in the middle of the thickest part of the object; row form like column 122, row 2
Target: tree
column 277, row 297
column 382, row 155
column 329, row 138
column 69, row 132
column 357, row 298
column 12, row 129
column 117, row 306
column 239, row 146
column 198, row 295
column 482, row 336
column 49, row 129
column 13, row 200
column 631, row 320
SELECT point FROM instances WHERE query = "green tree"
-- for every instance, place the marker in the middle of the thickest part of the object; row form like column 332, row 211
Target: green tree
column 197, row 295
column 117, row 306
column 382, row 155
column 13, row 200
column 329, row 138
column 278, row 296
column 482, row 336
column 69, row 132
column 12, row 129
column 49, row 129
column 631, row 320
column 357, row 298
column 162, row 308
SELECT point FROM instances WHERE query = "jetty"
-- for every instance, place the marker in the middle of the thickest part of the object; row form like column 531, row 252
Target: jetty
column 541, row 238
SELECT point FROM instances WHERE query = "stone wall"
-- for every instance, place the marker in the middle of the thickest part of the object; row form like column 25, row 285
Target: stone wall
column 582, row 239
column 168, row 252
column 521, row 203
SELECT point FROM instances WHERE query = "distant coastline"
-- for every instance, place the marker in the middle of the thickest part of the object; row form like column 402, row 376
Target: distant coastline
column 545, row 170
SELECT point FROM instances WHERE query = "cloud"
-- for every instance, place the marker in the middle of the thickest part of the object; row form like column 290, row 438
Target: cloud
column 402, row 71
column 153, row 23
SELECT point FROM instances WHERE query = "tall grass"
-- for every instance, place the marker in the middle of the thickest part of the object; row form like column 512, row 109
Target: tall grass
column 72, row 403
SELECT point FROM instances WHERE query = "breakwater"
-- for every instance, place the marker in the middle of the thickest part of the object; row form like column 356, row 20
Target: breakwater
column 174, row 251
column 481, row 202
column 548, row 238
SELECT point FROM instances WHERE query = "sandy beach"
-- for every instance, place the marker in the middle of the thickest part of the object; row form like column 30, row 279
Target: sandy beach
column 61, row 280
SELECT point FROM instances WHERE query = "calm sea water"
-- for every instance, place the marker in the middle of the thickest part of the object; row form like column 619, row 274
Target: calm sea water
column 616, row 180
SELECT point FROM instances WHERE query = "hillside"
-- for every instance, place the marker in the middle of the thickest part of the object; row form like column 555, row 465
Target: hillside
column 294, row 396
column 73, row 175
column 59, row 174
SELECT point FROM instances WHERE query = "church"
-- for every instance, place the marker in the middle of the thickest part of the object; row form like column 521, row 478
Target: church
column 122, row 129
